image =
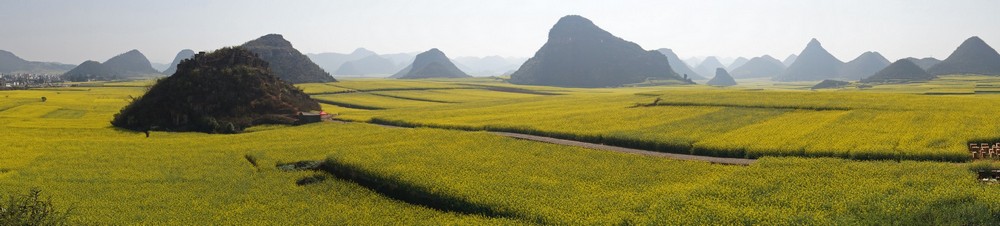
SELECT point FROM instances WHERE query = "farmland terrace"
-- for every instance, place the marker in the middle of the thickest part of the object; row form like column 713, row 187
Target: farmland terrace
column 804, row 141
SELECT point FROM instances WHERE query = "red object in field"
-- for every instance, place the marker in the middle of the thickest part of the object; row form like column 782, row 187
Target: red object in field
column 322, row 113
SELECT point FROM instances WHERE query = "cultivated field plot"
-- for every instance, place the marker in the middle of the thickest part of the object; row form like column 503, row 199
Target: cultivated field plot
column 731, row 122
column 437, row 176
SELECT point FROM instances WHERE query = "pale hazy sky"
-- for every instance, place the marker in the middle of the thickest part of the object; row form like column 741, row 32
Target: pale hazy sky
column 71, row 31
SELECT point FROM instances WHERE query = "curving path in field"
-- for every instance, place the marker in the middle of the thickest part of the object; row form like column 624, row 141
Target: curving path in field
column 717, row 160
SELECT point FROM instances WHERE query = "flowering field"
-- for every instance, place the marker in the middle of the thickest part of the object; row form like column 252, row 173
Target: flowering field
column 66, row 147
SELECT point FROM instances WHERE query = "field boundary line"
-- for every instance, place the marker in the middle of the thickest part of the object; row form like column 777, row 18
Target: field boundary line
column 588, row 145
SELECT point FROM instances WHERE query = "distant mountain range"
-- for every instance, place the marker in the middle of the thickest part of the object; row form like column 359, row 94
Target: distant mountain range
column 364, row 62
column 578, row 53
column 183, row 54
column 431, row 64
column 708, row 66
column 863, row 66
column 10, row 63
column 285, row 61
column 128, row 65
column 903, row 70
column 759, row 67
column 488, row 66
column 973, row 56
column 813, row 64
column 679, row 66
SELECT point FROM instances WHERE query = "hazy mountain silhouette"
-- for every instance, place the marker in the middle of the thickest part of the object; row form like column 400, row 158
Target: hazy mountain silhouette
column 759, row 67
column 789, row 60
column 863, row 66
column 580, row 54
column 693, row 62
column 219, row 92
column 721, row 78
column 431, row 64
column 708, row 66
column 370, row 65
column 183, row 54
column 813, row 64
column 679, row 66
column 91, row 70
column 159, row 66
column 925, row 63
column 332, row 61
column 737, row 63
column 488, row 66
column 401, row 60
column 974, row 56
column 285, row 61
column 131, row 64
column 10, row 63
column 900, row 71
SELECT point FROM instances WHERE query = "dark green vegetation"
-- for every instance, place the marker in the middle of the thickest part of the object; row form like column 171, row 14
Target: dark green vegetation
column 220, row 92
column 183, row 54
column 285, row 61
column 900, row 71
column 10, row 63
column 431, row 64
column 30, row 209
column 679, row 66
column 721, row 78
column 813, row 64
column 830, row 84
column 580, row 54
column 759, row 67
column 973, row 56
column 131, row 64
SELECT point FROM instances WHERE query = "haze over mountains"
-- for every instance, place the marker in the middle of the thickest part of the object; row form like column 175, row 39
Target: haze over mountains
column 364, row 62
column 863, row 66
column 183, row 54
column 902, row 70
column 722, row 78
column 131, row 64
column 813, row 64
column 973, row 56
column 578, row 53
column 10, row 63
column 759, row 67
column 737, row 63
column 708, row 66
column 431, row 64
column 679, row 66
column 285, row 61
